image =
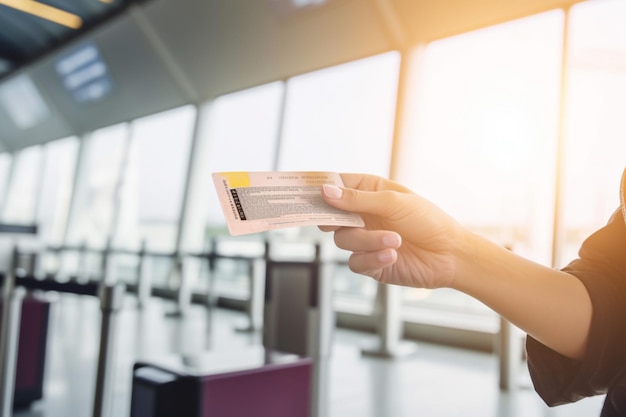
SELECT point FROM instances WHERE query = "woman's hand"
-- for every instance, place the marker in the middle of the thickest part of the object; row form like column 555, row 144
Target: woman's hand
column 406, row 239
column 409, row 241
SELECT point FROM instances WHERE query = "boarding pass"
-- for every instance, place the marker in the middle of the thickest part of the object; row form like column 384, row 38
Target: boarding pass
column 259, row 201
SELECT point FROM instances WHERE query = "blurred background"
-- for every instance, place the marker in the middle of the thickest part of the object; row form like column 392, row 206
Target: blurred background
column 114, row 113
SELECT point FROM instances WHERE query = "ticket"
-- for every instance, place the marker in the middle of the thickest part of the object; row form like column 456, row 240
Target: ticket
column 259, row 201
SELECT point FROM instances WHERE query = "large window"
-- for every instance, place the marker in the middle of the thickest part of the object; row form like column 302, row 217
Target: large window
column 595, row 134
column 5, row 169
column 95, row 202
column 56, row 189
column 96, row 199
column 336, row 119
column 480, row 140
column 341, row 119
column 241, row 133
column 154, row 181
column 21, row 203
column 238, row 132
column 483, row 135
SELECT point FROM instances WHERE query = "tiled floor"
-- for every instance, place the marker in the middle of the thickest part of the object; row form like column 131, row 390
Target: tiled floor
column 435, row 381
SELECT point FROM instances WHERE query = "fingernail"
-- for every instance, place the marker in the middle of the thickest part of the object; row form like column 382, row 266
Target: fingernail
column 387, row 256
column 332, row 192
column 392, row 240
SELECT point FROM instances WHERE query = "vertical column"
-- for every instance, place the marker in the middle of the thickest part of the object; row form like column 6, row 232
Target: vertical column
column 82, row 274
column 509, row 355
column 211, row 255
column 111, row 301
column 9, row 336
column 389, row 323
column 107, row 265
column 322, row 319
column 557, row 230
column 182, row 273
column 321, row 310
column 144, row 278
column 388, row 297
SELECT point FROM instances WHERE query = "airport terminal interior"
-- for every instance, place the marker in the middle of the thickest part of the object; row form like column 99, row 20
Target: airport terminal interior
column 125, row 293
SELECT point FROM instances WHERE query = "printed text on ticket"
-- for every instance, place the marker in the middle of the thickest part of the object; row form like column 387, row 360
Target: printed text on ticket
column 258, row 201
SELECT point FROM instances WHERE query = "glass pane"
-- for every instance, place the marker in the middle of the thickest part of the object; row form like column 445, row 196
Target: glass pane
column 483, row 135
column 595, row 142
column 154, row 182
column 95, row 202
column 56, row 190
column 239, row 133
column 5, row 167
column 341, row 119
column 242, row 131
column 23, row 102
column 21, row 203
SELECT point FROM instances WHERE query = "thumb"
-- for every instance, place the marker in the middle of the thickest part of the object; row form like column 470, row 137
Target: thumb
column 350, row 199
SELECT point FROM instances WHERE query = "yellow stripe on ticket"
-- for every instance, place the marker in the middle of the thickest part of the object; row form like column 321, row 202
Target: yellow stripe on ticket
column 236, row 179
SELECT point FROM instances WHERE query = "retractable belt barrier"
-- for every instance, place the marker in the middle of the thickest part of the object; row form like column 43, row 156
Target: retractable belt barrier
column 111, row 299
column 295, row 311
column 255, row 261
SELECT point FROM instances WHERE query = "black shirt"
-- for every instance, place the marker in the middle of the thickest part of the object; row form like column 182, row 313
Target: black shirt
column 601, row 267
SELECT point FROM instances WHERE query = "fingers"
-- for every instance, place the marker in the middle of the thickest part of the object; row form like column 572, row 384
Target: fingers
column 361, row 240
column 372, row 249
column 370, row 263
column 371, row 183
column 349, row 199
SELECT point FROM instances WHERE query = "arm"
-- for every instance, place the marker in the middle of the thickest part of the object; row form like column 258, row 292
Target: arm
column 552, row 306
column 409, row 241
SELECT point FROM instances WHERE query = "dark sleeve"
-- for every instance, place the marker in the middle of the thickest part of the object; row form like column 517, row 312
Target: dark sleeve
column 601, row 267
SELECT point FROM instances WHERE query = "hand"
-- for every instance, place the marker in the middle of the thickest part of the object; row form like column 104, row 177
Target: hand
column 409, row 241
column 406, row 240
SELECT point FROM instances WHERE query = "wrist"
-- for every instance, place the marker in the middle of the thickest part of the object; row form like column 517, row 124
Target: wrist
column 475, row 257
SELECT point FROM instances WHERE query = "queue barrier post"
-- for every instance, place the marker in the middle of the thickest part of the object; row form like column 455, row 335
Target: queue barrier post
column 9, row 336
column 144, row 276
column 111, row 302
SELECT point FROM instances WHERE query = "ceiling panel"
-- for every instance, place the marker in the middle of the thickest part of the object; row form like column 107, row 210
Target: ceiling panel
column 140, row 83
column 428, row 20
column 164, row 53
column 224, row 46
column 25, row 37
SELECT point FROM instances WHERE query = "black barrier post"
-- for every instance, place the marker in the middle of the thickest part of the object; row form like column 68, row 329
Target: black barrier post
column 180, row 273
column 144, row 284
column 9, row 336
column 106, row 263
column 185, row 284
column 111, row 301
column 81, row 271
column 211, row 256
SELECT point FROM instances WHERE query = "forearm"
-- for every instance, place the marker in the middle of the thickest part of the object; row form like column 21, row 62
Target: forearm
column 552, row 306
